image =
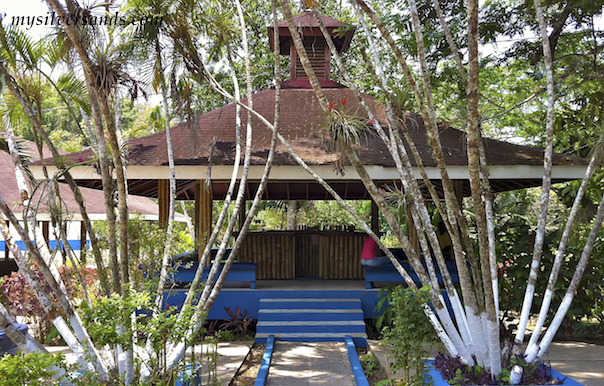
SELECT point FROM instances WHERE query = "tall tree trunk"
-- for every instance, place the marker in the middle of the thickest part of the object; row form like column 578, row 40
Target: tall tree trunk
column 212, row 287
column 473, row 137
column 243, row 180
column 192, row 293
column 102, row 98
column 572, row 287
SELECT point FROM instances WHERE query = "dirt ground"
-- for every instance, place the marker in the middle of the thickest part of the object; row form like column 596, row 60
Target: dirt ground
column 246, row 376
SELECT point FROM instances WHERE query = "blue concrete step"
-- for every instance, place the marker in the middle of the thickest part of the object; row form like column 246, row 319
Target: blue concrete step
column 311, row 320
column 311, row 327
column 308, row 314
column 348, row 304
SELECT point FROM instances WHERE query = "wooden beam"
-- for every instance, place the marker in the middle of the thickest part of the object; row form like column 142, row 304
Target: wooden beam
column 203, row 214
column 163, row 195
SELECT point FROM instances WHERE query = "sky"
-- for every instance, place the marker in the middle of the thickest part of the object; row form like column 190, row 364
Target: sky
column 8, row 9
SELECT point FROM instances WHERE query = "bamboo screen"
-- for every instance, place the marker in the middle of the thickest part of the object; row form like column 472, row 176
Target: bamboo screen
column 289, row 255
column 341, row 256
column 274, row 253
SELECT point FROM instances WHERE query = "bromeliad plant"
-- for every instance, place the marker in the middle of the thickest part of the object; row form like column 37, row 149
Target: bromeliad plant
column 239, row 322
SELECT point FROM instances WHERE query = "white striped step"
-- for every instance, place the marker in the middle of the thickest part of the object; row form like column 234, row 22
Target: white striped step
column 311, row 320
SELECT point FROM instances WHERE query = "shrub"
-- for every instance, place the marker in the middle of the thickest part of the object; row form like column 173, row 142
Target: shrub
column 30, row 369
column 411, row 335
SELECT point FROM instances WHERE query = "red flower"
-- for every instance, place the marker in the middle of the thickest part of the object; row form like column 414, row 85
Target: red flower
column 331, row 106
column 344, row 101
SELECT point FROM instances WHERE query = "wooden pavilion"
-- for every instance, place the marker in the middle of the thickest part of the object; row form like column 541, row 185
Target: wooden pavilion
column 206, row 147
column 209, row 143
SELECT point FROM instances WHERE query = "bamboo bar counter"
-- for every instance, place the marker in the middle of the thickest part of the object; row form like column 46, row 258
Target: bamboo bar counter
column 304, row 253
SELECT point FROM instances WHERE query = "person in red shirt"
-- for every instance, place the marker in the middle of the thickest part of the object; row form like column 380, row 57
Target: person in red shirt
column 368, row 257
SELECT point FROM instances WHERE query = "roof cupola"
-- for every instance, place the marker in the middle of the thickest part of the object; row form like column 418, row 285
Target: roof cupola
column 315, row 45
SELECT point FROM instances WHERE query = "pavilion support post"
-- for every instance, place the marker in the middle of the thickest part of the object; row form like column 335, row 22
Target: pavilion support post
column 46, row 232
column 375, row 217
column 83, row 244
column 6, row 252
column 458, row 188
column 411, row 230
column 203, row 214
column 242, row 214
column 163, row 195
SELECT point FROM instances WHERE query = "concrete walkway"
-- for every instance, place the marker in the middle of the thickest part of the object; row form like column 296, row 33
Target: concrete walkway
column 582, row 362
column 302, row 364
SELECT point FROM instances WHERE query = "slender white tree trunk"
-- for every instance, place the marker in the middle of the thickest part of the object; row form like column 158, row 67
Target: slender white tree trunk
column 172, row 203
column 188, row 221
column 572, row 288
column 532, row 348
column 547, row 178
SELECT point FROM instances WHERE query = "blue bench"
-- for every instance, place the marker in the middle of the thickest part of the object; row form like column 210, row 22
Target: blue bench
column 387, row 273
column 238, row 272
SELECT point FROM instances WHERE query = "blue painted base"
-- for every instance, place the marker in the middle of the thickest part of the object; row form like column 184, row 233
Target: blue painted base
column 188, row 379
column 238, row 272
column 439, row 380
column 387, row 273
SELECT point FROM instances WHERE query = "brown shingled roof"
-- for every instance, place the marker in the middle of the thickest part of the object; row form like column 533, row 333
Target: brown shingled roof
column 211, row 139
column 212, row 136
